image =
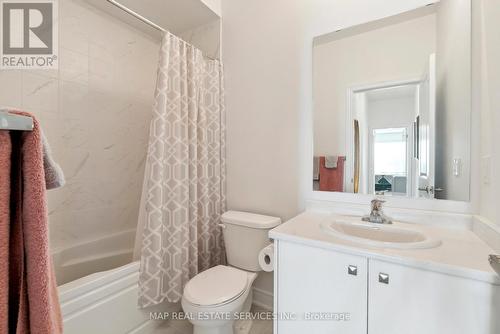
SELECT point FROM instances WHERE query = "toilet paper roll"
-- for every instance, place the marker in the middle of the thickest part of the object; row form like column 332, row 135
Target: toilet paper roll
column 266, row 258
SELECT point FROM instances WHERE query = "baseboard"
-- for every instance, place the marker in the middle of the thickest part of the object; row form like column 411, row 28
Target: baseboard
column 263, row 299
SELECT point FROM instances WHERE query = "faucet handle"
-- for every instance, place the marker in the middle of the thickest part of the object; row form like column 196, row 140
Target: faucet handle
column 377, row 215
column 377, row 204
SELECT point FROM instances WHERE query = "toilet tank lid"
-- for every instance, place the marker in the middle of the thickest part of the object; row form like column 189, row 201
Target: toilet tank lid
column 248, row 219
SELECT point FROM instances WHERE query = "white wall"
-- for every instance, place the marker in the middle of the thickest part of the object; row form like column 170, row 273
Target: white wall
column 268, row 61
column 392, row 53
column 95, row 112
column 214, row 5
column 453, row 118
column 391, row 112
column 486, row 28
column 206, row 38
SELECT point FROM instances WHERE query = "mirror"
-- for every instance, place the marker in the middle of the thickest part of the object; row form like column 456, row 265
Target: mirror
column 392, row 105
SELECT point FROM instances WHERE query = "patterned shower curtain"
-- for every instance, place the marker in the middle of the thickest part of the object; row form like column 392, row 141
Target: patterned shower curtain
column 184, row 187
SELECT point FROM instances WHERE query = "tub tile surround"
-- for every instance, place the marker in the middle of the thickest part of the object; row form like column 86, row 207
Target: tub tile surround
column 467, row 239
column 95, row 111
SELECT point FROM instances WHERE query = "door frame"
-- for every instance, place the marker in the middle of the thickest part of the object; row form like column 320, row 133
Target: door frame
column 428, row 179
column 351, row 91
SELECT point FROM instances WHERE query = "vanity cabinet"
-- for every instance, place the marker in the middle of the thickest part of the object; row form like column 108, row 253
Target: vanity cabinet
column 314, row 283
column 380, row 297
column 414, row 301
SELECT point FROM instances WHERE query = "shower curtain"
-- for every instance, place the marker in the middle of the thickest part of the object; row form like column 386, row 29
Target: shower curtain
column 183, row 193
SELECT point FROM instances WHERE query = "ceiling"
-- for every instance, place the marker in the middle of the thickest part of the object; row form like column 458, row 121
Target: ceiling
column 176, row 16
column 391, row 92
column 429, row 9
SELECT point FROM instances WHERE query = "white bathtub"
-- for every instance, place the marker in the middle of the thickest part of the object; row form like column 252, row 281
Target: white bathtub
column 106, row 303
column 101, row 286
column 98, row 287
column 85, row 258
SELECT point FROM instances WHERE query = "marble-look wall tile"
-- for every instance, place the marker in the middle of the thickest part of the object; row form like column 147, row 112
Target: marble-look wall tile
column 40, row 92
column 73, row 66
column 95, row 111
column 11, row 93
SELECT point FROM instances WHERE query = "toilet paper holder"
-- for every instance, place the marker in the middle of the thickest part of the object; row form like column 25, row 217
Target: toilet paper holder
column 266, row 258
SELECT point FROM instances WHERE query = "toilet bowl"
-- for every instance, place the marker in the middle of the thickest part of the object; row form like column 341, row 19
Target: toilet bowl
column 214, row 298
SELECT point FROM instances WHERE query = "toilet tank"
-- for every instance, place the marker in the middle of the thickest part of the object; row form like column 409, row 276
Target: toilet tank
column 245, row 234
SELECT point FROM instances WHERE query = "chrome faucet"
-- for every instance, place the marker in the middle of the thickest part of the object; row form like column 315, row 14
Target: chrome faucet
column 377, row 215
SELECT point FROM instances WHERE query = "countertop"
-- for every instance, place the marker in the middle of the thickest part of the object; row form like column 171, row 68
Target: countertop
column 462, row 253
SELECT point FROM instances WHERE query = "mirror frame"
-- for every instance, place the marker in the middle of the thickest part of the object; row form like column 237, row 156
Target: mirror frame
column 439, row 205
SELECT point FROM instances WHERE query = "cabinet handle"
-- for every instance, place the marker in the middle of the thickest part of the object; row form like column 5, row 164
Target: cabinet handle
column 383, row 278
column 352, row 270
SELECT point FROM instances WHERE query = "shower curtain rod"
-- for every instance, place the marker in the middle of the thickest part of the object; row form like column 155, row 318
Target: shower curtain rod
column 137, row 16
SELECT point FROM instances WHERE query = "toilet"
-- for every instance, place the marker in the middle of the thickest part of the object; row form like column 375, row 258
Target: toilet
column 213, row 297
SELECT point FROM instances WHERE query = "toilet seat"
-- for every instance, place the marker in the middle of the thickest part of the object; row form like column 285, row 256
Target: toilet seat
column 216, row 286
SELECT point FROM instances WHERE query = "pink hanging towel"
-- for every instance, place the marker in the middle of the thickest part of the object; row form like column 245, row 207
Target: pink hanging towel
column 33, row 304
column 331, row 179
column 5, row 167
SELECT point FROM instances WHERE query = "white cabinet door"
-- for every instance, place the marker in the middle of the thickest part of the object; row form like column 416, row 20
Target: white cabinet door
column 415, row 301
column 314, row 282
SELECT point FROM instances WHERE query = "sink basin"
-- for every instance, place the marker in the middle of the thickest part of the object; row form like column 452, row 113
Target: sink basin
column 383, row 236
